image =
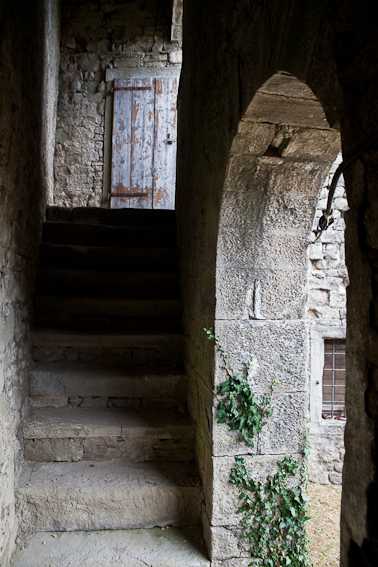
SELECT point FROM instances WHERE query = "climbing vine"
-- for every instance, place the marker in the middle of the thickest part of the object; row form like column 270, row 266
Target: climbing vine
column 273, row 515
column 239, row 407
column 273, row 511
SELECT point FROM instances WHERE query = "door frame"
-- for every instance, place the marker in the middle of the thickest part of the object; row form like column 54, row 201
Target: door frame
column 123, row 73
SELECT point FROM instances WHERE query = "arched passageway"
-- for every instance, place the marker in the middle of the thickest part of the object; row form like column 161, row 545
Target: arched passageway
column 248, row 47
column 278, row 161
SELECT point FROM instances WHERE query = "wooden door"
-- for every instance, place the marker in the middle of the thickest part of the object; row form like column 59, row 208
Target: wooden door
column 143, row 169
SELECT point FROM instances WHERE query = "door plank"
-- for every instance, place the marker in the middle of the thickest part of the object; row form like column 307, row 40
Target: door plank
column 121, row 144
column 144, row 143
column 142, row 119
column 165, row 143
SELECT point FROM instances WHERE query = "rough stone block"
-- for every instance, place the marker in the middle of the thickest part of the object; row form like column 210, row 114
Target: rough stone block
column 327, row 452
column 285, row 429
column 268, row 107
column 341, row 204
column 147, row 351
column 89, row 385
column 95, row 496
column 260, row 294
column 163, row 447
column 103, row 434
column 293, row 207
column 241, row 174
column 280, row 348
column 284, row 84
column 227, row 544
column 323, row 312
column 316, row 251
column 175, row 57
column 170, row 547
column 252, row 138
column 226, row 503
column 332, row 251
column 228, row 443
column 313, row 144
column 338, row 298
column 335, row 478
column 319, row 297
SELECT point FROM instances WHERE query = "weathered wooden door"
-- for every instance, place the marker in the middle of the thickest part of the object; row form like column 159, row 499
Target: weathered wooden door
column 143, row 172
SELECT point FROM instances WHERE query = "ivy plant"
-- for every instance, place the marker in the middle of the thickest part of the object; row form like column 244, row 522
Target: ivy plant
column 274, row 511
column 238, row 406
column 273, row 514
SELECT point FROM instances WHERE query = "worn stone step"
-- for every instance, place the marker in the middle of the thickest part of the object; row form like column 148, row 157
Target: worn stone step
column 117, row 217
column 102, row 314
column 108, row 324
column 133, row 351
column 117, row 258
column 75, row 434
column 108, row 385
column 65, row 307
column 78, row 282
column 170, row 547
column 107, row 495
column 108, row 235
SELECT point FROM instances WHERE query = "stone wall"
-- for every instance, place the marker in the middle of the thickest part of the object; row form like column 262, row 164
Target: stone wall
column 96, row 37
column 328, row 276
column 21, row 208
column 326, row 308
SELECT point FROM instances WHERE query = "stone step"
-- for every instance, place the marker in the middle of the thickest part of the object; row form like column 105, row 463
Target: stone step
column 61, row 308
column 107, row 324
column 78, row 282
column 91, row 434
column 111, row 315
column 104, row 258
column 133, row 351
column 108, row 235
column 170, row 547
column 104, row 385
column 116, row 217
column 107, row 496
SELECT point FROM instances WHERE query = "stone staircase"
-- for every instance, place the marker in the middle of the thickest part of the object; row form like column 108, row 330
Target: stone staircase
column 109, row 476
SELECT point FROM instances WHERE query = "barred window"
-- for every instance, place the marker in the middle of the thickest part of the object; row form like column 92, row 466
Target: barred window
column 333, row 406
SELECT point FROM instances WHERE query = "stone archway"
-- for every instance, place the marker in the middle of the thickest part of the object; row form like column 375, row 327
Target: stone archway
column 332, row 49
column 278, row 161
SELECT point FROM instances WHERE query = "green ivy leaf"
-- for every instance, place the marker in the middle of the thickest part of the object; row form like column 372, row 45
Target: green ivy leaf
column 274, row 511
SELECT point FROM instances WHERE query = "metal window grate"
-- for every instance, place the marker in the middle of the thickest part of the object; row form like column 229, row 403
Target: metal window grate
column 333, row 406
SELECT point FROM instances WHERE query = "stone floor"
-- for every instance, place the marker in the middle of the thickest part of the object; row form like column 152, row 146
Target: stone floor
column 323, row 527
